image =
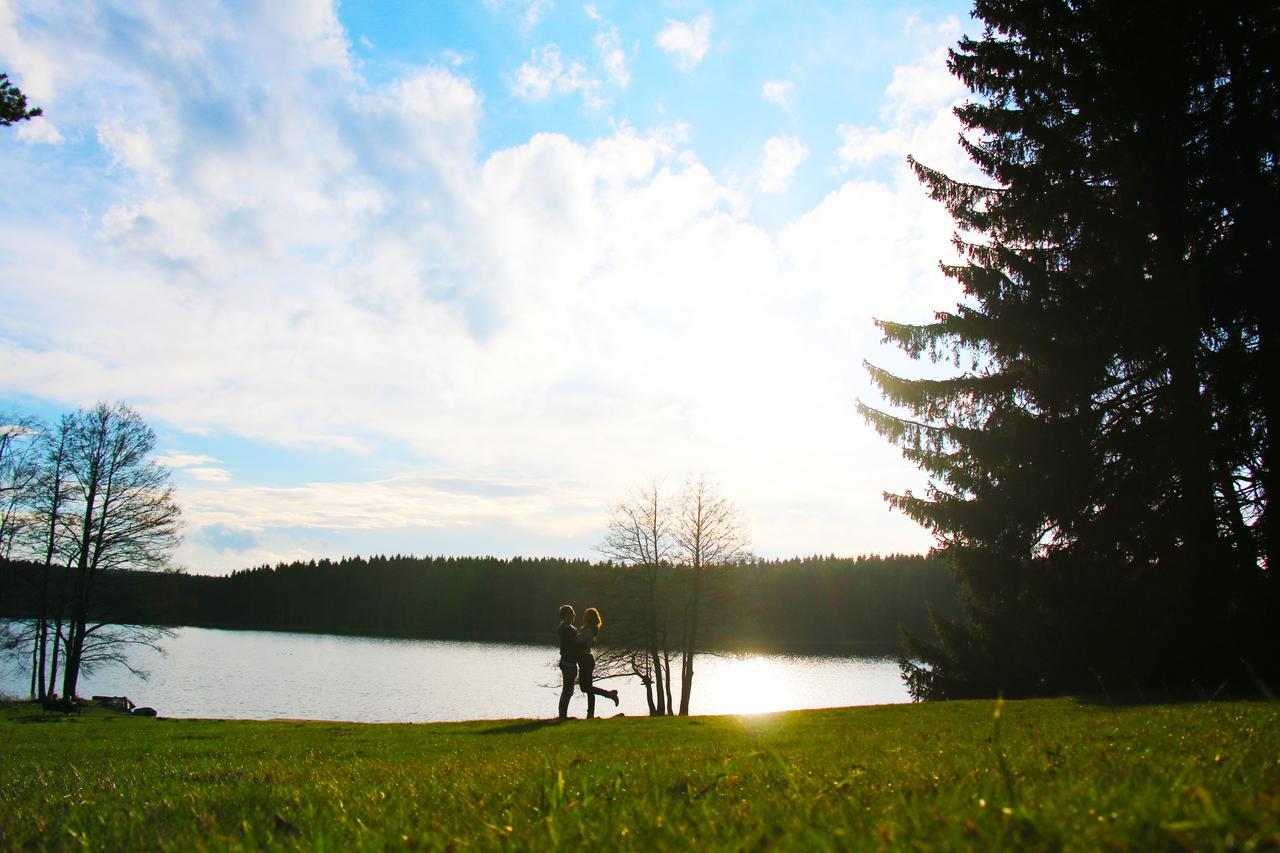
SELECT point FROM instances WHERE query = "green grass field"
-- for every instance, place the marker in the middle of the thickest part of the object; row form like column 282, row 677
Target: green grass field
column 1047, row 774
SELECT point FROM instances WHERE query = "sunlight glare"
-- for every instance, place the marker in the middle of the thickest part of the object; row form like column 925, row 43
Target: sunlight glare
column 746, row 685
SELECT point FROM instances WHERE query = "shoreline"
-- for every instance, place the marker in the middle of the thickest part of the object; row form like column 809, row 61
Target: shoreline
column 799, row 648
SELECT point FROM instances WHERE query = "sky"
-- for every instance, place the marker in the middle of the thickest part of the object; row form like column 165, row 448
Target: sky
column 454, row 278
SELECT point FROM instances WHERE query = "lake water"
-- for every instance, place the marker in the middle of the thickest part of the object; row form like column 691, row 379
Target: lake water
column 264, row 674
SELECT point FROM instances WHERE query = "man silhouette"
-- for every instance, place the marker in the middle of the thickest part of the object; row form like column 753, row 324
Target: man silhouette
column 568, row 657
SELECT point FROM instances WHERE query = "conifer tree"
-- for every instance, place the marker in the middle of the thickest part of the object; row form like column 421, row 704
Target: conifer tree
column 13, row 104
column 1099, row 463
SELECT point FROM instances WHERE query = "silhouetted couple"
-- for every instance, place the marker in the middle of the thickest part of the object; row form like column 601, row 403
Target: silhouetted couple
column 577, row 662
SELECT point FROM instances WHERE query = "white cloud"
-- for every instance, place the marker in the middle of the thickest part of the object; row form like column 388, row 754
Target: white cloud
column 916, row 115
column 329, row 262
column 403, row 501
column 197, row 466
column 546, row 73
column 130, row 148
column 612, row 56
column 778, row 92
column 528, row 13
column 209, row 475
column 782, row 156
column 923, row 86
column 179, row 459
column 686, row 42
column 39, row 66
column 38, row 131
column 12, row 430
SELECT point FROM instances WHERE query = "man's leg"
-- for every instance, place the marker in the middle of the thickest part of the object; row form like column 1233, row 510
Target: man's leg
column 569, row 673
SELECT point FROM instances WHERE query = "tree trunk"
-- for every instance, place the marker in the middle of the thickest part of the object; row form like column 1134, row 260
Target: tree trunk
column 55, row 504
column 71, row 666
column 44, row 649
column 666, row 671
column 1244, row 541
column 1269, row 355
column 1204, row 560
column 80, row 599
column 35, row 659
column 660, row 705
column 652, row 650
column 691, row 642
column 647, row 680
column 37, row 665
column 44, row 661
column 53, row 659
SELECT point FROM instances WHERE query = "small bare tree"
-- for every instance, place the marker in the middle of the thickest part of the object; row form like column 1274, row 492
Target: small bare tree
column 708, row 532
column 639, row 540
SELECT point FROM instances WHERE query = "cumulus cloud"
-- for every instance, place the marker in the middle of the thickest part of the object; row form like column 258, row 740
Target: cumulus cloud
column 687, row 42
column 546, row 73
column 38, row 68
column 330, row 263
column 782, row 156
column 916, row 114
column 777, row 92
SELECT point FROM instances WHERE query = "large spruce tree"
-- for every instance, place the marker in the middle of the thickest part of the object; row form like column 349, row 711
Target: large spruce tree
column 1100, row 457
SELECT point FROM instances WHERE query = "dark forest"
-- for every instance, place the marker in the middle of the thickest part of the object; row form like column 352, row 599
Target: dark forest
column 808, row 602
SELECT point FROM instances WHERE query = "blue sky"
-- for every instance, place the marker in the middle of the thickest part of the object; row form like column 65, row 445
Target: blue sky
column 451, row 277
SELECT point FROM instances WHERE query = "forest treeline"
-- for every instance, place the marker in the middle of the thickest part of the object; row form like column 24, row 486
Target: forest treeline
column 807, row 602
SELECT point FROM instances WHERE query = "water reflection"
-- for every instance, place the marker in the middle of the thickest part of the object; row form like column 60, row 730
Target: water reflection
column 748, row 685
column 263, row 675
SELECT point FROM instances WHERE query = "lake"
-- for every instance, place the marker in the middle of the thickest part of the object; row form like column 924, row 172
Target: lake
column 263, row 675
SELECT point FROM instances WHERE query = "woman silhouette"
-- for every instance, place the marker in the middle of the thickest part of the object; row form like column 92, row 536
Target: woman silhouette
column 591, row 624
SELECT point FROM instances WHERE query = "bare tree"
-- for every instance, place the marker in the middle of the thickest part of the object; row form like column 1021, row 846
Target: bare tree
column 708, row 532
column 125, row 518
column 639, row 540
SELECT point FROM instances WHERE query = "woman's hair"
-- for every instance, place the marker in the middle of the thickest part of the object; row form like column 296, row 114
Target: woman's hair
column 592, row 618
column 566, row 611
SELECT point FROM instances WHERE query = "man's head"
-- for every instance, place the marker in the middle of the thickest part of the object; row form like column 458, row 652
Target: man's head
column 566, row 613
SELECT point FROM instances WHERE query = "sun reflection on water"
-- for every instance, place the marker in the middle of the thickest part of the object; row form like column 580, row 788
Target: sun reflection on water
column 745, row 685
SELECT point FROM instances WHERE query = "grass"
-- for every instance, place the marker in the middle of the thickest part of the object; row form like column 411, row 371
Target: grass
column 1040, row 774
